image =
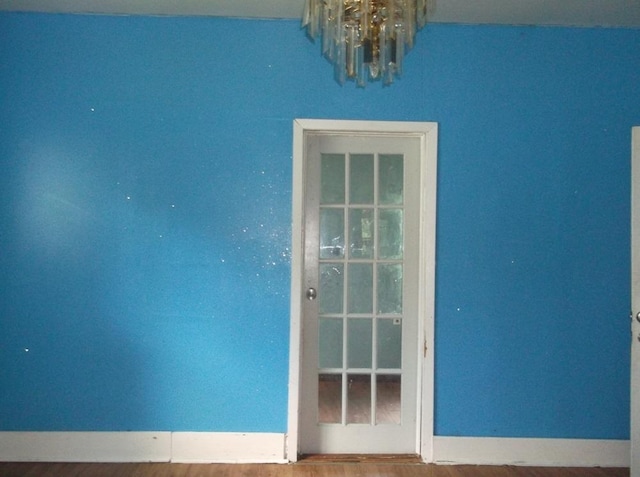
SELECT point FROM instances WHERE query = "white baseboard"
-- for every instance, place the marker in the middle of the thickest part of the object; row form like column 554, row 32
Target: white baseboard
column 229, row 447
column 531, row 452
column 85, row 446
column 210, row 447
column 187, row 447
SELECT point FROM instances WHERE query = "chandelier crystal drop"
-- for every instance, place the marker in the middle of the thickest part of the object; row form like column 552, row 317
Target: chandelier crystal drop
column 365, row 39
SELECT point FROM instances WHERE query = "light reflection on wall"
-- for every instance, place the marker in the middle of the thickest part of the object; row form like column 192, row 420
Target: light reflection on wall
column 56, row 215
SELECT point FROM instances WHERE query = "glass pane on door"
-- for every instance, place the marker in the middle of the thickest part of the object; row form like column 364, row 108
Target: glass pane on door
column 361, row 233
column 331, row 233
column 360, row 288
column 391, row 179
column 390, row 227
column 361, row 179
column 331, row 342
column 389, row 349
column 359, row 343
column 331, row 288
column 332, row 178
column 389, row 288
column 330, row 398
column 359, row 399
column 361, row 240
column 388, row 399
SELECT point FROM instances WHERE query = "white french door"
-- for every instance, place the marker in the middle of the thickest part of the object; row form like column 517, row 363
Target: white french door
column 635, row 304
column 363, row 263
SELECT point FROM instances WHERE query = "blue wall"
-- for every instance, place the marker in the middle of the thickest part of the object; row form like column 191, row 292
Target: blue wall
column 145, row 220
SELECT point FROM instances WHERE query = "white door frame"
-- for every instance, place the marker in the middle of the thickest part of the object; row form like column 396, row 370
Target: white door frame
column 635, row 303
column 428, row 134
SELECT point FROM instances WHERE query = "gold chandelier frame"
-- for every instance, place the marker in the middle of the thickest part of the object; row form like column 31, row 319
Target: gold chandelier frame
column 366, row 40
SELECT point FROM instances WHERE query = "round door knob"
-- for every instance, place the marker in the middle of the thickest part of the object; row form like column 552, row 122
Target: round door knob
column 311, row 294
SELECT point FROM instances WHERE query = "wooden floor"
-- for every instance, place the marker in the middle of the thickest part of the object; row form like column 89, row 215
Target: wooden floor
column 293, row 470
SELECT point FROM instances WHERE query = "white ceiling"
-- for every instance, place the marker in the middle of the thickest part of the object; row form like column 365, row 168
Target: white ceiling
column 610, row 13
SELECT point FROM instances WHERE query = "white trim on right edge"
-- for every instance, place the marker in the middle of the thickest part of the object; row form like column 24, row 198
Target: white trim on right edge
column 531, row 452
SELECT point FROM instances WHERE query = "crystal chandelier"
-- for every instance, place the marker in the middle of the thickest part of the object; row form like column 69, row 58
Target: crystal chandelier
column 365, row 39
